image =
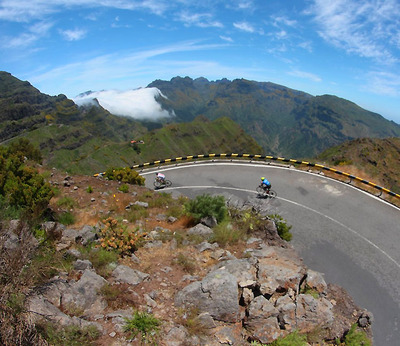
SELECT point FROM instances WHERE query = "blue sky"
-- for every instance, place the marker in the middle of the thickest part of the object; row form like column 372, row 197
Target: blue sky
column 348, row 48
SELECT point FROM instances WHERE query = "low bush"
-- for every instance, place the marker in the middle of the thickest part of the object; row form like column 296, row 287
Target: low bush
column 144, row 324
column 292, row 339
column 102, row 260
column 205, row 206
column 225, row 233
column 124, row 188
column 66, row 202
column 308, row 290
column 356, row 337
column 69, row 335
column 282, row 227
column 117, row 237
column 66, row 218
column 21, row 186
column 125, row 175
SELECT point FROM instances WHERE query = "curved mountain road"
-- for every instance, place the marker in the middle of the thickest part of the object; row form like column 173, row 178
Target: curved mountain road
column 349, row 235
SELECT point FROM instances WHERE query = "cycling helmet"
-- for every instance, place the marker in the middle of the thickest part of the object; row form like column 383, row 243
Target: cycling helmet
column 262, row 178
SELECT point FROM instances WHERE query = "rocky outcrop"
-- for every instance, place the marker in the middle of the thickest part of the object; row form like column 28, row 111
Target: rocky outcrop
column 265, row 293
column 262, row 294
column 217, row 294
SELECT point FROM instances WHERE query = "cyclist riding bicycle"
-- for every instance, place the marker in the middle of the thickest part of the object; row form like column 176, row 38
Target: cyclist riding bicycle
column 265, row 184
column 160, row 177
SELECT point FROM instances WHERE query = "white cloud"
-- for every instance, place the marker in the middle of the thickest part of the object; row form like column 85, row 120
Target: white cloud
column 73, row 35
column 138, row 104
column 226, row 38
column 26, row 10
column 383, row 83
column 369, row 28
column 305, row 75
column 203, row 20
column 244, row 26
column 33, row 34
column 285, row 21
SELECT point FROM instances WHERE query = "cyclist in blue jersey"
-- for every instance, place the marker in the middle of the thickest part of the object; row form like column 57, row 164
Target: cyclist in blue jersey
column 265, row 184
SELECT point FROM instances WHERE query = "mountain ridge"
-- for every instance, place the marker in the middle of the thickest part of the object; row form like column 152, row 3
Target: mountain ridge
column 89, row 139
column 284, row 121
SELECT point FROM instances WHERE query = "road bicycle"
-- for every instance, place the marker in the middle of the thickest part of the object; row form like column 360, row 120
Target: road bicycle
column 158, row 183
column 266, row 193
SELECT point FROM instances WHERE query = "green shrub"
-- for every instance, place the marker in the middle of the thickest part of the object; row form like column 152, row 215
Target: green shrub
column 102, row 260
column 225, row 233
column 24, row 147
column 21, row 186
column 282, row 227
column 137, row 212
column 89, row 189
column 355, row 337
column 144, row 324
column 7, row 211
column 66, row 202
column 308, row 290
column 69, row 335
column 125, row 175
column 206, row 205
column 66, row 218
column 124, row 188
column 292, row 339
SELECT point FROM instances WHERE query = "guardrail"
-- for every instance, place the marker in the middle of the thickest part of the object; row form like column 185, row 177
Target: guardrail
column 272, row 158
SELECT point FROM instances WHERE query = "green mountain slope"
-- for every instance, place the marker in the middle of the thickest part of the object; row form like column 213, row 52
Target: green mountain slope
column 284, row 121
column 90, row 139
column 379, row 159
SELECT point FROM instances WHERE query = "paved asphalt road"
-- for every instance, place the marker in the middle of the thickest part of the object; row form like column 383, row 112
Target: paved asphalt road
column 351, row 237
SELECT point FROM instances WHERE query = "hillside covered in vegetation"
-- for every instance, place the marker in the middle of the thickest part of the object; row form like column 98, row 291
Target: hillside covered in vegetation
column 285, row 122
column 90, row 139
column 378, row 159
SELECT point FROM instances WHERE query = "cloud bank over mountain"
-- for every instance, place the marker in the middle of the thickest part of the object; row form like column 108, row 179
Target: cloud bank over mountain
column 139, row 103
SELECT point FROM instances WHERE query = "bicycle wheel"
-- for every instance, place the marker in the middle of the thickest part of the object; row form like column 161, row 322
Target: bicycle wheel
column 157, row 184
column 260, row 190
column 272, row 194
column 167, row 183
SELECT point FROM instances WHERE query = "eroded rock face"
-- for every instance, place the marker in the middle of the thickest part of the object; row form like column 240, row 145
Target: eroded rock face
column 266, row 288
column 216, row 294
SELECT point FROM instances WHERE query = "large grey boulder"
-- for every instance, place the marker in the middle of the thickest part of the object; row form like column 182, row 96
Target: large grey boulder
column 262, row 320
column 201, row 231
column 71, row 236
column 128, row 275
column 216, row 294
column 242, row 269
column 17, row 235
column 282, row 272
column 85, row 293
column 313, row 312
column 316, row 281
column 41, row 309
